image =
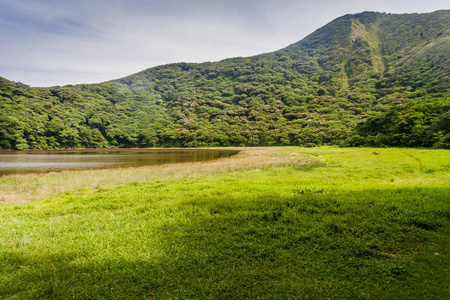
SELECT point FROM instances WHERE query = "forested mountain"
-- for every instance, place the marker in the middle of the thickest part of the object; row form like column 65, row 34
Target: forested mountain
column 357, row 71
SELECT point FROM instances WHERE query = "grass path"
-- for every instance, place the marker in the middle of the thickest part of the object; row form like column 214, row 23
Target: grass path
column 285, row 223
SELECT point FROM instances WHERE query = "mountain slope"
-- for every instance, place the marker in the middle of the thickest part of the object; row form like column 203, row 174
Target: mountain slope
column 313, row 91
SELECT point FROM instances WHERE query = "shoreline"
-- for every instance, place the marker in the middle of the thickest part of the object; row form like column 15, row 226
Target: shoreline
column 122, row 149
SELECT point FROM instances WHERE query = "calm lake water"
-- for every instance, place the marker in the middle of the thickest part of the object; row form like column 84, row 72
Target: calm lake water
column 22, row 162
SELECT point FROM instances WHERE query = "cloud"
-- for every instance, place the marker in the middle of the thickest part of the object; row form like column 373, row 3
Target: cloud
column 56, row 42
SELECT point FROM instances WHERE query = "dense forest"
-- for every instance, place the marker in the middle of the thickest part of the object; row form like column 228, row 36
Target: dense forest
column 369, row 79
column 420, row 123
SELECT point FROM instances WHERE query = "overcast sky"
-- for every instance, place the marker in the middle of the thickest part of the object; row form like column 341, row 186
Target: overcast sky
column 59, row 42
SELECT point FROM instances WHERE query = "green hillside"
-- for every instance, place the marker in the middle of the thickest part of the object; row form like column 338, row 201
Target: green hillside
column 315, row 91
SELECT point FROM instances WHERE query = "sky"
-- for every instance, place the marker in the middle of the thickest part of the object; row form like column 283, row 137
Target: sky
column 60, row 42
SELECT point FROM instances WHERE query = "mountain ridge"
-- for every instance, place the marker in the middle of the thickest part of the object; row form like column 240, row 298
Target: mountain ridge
column 314, row 91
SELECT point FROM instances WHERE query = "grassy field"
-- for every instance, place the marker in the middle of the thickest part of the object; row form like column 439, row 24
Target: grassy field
column 270, row 223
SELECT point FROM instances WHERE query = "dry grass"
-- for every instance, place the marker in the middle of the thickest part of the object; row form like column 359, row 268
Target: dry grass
column 11, row 198
column 18, row 189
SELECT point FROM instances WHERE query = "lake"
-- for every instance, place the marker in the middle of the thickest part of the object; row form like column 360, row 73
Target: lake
column 38, row 161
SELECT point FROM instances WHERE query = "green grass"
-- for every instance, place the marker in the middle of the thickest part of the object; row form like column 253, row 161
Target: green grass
column 353, row 223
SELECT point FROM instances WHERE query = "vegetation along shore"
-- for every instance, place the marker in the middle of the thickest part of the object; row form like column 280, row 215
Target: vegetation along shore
column 268, row 223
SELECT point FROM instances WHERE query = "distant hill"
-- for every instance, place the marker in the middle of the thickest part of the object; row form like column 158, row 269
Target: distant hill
column 354, row 70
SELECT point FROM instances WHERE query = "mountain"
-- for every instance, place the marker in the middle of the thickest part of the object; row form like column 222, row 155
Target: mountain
column 317, row 91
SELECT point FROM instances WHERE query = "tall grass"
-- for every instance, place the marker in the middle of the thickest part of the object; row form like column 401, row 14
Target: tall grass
column 288, row 223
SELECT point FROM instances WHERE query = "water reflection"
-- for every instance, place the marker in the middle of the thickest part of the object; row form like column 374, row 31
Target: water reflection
column 20, row 162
